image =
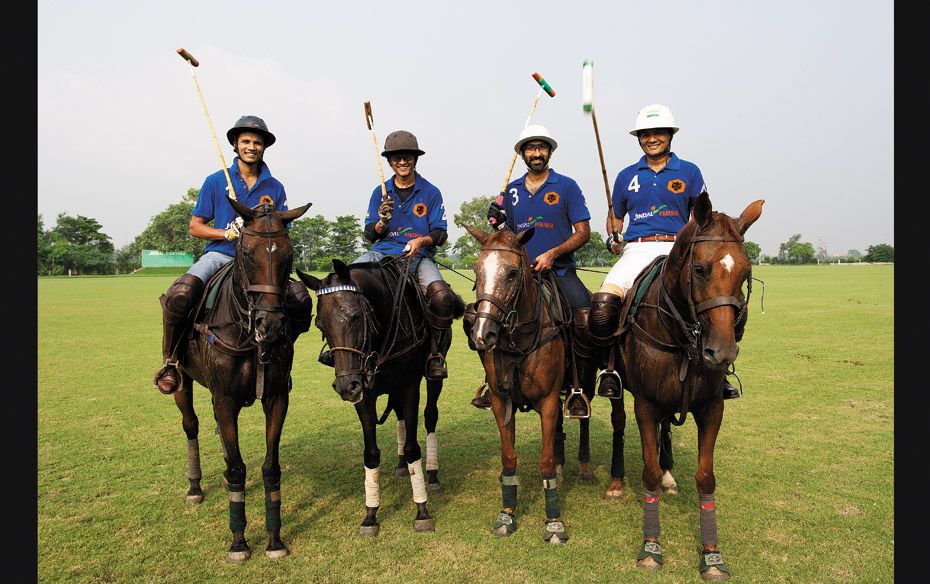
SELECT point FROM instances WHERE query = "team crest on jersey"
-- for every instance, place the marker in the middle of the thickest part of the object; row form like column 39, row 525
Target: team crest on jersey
column 551, row 198
column 266, row 199
column 419, row 209
column 677, row 186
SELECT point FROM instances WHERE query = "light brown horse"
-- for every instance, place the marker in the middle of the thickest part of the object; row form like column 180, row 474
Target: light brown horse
column 242, row 350
column 525, row 353
column 675, row 351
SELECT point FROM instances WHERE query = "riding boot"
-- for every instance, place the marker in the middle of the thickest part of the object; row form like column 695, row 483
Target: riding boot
column 603, row 322
column 326, row 358
column 730, row 391
column 298, row 308
column 440, row 303
column 482, row 401
column 176, row 306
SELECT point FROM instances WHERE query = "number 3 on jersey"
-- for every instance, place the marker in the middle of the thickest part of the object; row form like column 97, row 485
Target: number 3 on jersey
column 634, row 184
column 514, row 197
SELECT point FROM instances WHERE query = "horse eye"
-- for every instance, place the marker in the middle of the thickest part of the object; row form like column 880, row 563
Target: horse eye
column 512, row 274
column 699, row 271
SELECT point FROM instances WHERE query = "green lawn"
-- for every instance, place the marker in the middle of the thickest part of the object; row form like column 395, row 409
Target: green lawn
column 804, row 461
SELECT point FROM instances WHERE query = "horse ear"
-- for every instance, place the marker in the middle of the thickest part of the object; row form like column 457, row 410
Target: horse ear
column 342, row 270
column 749, row 215
column 481, row 236
column 525, row 236
column 703, row 209
column 312, row 282
column 241, row 209
column 292, row 214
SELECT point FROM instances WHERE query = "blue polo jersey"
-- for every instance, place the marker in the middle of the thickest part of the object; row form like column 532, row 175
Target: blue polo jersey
column 557, row 205
column 212, row 203
column 657, row 202
column 421, row 213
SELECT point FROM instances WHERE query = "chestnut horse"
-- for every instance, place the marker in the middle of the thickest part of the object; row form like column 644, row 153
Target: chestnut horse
column 242, row 350
column 526, row 353
column 675, row 351
column 373, row 317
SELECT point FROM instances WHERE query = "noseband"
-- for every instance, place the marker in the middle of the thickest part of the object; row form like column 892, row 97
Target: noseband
column 507, row 307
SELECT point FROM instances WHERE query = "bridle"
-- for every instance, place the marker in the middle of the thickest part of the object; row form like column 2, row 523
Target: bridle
column 366, row 359
column 251, row 289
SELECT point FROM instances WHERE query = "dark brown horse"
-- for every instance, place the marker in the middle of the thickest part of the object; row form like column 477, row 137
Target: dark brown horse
column 675, row 351
column 374, row 319
column 241, row 350
column 526, row 354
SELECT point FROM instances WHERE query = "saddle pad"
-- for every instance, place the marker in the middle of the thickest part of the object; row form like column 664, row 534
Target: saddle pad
column 213, row 287
column 640, row 285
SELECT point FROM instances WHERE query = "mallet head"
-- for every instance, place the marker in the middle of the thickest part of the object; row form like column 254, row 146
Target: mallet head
column 587, row 85
column 543, row 84
column 188, row 57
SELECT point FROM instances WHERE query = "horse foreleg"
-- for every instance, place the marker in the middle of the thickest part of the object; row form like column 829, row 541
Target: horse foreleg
column 275, row 411
column 184, row 399
column 414, row 457
column 650, row 556
column 372, row 457
column 401, row 469
column 666, row 461
column 708, row 422
column 584, row 428
column 617, row 463
column 506, row 523
column 430, row 418
column 554, row 532
column 559, row 451
column 227, row 414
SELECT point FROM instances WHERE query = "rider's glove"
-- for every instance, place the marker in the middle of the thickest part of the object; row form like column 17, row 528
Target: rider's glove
column 614, row 243
column 386, row 211
column 232, row 230
column 497, row 217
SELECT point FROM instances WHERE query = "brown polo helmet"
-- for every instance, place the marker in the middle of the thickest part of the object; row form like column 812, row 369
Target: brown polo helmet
column 250, row 124
column 401, row 141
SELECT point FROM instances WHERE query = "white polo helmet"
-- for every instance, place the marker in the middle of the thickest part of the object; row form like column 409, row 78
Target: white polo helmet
column 534, row 132
column 654, row 116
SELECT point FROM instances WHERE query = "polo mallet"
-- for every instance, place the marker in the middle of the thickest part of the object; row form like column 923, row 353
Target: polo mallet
column 192, row 62
column 369, row 119
column 542, row 86
column 587, row 104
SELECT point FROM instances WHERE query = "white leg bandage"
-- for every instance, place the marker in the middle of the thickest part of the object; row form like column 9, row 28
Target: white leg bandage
column 401, row 437
column 417, row 481
column 372, row 488
column 432, row 451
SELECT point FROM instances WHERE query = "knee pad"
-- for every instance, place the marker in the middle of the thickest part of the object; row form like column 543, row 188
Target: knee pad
column 580, row 319
column 440, row 300
column 604, row 319
column 180, row 298
column 298, row 307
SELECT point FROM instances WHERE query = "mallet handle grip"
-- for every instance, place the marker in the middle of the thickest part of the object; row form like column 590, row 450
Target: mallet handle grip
column 188, row 57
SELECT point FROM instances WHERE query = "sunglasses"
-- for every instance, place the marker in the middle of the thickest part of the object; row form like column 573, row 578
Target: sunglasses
column 408, row 156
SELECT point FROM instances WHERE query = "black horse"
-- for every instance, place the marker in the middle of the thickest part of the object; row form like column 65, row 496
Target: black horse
column 375, row 321
column 242, row 349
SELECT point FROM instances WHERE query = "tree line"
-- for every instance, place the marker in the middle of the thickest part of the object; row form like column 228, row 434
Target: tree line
column 76, row 245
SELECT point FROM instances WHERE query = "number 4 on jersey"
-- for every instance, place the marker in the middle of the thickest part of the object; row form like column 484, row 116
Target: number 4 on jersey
column 634, row 184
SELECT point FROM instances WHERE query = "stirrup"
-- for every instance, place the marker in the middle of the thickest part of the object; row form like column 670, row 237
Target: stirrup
column 482, row 399
column 168, row 367
column 610, row 373
column 576, row 393
column 431, row 364
column 735, row 392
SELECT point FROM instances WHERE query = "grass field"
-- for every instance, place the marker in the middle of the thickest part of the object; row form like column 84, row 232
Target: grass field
column 804, row 461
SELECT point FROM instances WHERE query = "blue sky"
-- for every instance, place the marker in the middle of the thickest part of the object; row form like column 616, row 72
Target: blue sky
column 791, row 102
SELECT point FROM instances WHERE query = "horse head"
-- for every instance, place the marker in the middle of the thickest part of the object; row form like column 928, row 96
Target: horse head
column 501, row 274
column 263, row 264
column 706, row 270
column 344, row 317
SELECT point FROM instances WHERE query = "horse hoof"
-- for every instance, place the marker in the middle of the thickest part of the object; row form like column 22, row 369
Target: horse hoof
column 424, row 525
column 555, row 532
column 586, row 475
column 501, row 531
column 369, row 530
column 670, row 490
column 649, row 563
column 195, row 499
column 401, row 472
column 277, row 554
column 433, row 487
column 613, row 495
column 712, row 574
column 668, row 484
column 238, row 557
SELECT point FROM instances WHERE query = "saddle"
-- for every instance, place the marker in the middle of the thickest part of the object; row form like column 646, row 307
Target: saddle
column 640, row 285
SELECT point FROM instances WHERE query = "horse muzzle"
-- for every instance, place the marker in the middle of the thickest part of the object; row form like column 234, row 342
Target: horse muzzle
column 268, row 327
column 719, row 356
column 484, row 334
column 350, row 387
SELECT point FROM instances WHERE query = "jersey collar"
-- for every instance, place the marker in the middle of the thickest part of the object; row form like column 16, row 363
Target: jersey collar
column 674, row 163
